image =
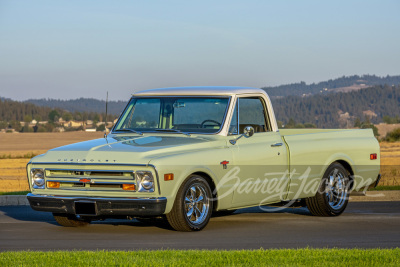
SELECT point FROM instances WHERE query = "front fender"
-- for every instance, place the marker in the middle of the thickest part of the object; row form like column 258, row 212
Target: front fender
column 183, row 165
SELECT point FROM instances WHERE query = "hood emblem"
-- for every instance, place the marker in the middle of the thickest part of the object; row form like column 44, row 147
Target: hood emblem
column 84, row 180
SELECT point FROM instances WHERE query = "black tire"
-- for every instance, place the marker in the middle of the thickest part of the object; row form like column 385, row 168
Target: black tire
column 68, row 220
column 333, row 192
column 186, row 203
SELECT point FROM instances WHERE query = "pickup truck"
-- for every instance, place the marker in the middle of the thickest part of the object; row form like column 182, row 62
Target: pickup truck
column 183, row 153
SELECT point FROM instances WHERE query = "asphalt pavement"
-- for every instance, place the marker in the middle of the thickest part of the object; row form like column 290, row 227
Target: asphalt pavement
column 362, row 225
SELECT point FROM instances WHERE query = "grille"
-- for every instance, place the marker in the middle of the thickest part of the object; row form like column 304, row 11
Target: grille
column 87, row 180
column 88, row 173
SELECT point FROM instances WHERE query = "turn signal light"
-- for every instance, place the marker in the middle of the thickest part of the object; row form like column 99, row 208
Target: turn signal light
column 53, row 184
column 373, row 156
column 130, row 187
column 168, row 177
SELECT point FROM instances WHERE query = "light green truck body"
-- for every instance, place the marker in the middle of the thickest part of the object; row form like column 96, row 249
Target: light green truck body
column 268, row 167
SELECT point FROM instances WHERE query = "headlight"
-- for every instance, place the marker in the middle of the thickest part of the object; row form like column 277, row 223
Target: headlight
column 37, row 178
column 145, row 181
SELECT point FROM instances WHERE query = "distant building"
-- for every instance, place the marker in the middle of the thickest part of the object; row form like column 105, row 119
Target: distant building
column 75, row 124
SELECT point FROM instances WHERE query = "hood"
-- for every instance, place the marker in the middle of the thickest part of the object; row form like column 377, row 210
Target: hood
column 127, row 149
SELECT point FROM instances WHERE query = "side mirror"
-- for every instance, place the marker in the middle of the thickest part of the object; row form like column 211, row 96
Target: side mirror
column 248, row 131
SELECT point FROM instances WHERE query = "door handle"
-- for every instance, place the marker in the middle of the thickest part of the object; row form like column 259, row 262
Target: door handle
column 277, row 144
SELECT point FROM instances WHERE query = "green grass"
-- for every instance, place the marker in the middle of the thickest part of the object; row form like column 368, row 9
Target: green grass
column 24, row 156
column 275, row 257
column 385, row 187
column 15, row 193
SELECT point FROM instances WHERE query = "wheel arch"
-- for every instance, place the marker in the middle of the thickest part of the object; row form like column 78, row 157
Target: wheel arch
column 204, row 173
column 346, row 161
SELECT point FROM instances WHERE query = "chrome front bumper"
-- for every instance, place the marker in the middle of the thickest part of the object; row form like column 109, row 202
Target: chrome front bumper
column 94, row 206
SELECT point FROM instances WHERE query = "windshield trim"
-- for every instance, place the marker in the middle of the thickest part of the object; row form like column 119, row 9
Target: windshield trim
column 113, row 131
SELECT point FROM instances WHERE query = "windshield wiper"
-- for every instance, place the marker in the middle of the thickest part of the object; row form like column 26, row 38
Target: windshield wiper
column 128, row 130
column 171, row 130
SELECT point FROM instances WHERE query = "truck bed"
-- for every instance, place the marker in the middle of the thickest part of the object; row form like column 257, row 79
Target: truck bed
column 350, row 147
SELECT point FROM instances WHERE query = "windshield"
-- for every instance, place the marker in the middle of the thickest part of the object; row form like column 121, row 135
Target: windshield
column 173, row 114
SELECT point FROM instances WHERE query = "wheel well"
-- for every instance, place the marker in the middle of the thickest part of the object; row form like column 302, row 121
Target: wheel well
column 211, row 184
column 348, row 168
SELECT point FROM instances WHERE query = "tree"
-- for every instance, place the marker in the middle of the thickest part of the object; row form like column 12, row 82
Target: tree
column 54, row 115
column 67, row 116
column 310, row 125
column 291, row 123
column 357, row 122
column 38, row 117
column 370, row 125
column 393, row 135
column 3, row 124
column 16, row 125
column 77, row 116
column 390, row 120
column 27, row 118
column 101, row 128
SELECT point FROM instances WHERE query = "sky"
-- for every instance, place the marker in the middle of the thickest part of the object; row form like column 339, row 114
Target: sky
column 68, row 49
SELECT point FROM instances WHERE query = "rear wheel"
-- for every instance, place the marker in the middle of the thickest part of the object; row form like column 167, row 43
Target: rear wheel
column 193, row 205
column 68, row 220
column 333, row 193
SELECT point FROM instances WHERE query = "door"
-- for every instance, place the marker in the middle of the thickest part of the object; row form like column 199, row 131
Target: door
column 260, row 161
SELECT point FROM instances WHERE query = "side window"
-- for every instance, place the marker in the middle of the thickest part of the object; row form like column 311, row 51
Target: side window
column 251, row 113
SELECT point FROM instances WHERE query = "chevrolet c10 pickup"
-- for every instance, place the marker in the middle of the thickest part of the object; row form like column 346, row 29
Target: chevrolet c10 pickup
column 182, row 154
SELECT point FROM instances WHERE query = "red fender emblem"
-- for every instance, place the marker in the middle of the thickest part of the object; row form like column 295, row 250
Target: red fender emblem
column 224, row 163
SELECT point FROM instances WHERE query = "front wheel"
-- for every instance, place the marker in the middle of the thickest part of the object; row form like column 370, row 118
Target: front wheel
column 333, row 192
column 193, row 205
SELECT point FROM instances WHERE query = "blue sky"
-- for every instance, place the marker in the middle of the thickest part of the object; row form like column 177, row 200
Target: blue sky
column 71, row 49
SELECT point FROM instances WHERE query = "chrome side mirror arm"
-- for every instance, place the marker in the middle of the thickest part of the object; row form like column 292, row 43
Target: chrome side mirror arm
column 247, row 132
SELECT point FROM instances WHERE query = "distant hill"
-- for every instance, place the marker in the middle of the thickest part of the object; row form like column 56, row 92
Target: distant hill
column 340, row 110
column 343, row 84
column 344, row 101
column 16, row 111
column 81, row 105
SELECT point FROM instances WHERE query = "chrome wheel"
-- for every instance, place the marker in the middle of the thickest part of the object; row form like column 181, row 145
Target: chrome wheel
column 197, row 204
column 193, row 205
column 332, row 195
column 336, row 190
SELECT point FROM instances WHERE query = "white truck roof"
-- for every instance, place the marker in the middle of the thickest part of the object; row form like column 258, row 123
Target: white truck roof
column 200, row 90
